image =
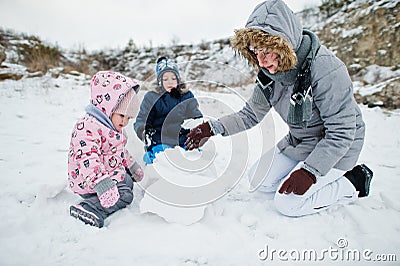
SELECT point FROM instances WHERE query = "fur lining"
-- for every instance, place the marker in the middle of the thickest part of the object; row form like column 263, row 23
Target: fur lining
column 245, row 37
column 182, row 88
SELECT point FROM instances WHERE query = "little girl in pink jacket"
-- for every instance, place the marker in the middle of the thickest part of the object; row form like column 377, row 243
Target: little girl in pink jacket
column 100, row 169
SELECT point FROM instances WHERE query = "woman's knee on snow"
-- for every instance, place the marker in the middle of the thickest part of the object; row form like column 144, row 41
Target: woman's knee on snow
column 288, row 205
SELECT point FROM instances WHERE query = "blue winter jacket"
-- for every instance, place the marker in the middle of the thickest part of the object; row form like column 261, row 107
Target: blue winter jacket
column 161, row 116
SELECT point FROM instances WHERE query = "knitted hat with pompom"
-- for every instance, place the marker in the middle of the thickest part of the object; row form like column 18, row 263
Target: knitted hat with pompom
column 164, row 64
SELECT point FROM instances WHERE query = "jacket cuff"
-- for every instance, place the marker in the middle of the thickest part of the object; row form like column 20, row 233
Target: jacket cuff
column 216, row 127
column 104, row 185
column 311, row 169
column 134, row 167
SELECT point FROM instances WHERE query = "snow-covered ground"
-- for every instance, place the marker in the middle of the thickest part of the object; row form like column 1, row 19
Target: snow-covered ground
column 240, row 228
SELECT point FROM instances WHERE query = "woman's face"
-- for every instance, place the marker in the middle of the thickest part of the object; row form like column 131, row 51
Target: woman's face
column 267, row 60
column 169, row 81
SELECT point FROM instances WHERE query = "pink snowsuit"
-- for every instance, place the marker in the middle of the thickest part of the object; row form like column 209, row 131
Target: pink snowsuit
column 97, row 150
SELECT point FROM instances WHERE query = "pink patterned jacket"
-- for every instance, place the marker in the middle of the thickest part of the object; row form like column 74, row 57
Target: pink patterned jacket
column 97, row 150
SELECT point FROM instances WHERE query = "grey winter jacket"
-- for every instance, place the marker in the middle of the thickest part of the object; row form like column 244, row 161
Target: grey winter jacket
column 334, row 109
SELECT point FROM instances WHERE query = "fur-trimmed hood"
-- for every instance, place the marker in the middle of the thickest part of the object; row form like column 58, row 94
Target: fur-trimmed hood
column 274, row 26
column 160, row 90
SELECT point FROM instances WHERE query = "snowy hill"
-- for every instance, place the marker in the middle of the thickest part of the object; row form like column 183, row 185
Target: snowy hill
column 240, row 228
column 40, row 100
column 363, row 33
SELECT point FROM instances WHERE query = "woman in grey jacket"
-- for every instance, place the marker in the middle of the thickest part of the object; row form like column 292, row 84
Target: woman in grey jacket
column 311, row 90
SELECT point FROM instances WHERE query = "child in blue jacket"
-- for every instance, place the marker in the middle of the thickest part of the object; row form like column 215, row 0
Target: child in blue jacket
column 163, row 111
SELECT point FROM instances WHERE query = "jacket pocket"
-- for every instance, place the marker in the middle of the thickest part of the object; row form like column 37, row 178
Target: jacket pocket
column 288, row 140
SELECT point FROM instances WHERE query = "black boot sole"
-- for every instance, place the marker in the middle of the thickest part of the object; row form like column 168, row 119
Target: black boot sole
column 85, row 216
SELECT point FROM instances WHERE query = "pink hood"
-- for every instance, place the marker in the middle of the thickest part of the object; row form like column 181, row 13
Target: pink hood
column 107, row 88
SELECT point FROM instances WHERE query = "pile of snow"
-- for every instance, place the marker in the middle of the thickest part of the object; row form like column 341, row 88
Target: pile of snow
column 238, row 228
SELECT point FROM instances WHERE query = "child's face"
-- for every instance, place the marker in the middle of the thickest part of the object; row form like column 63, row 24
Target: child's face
column 119, row 121
column 169, row 81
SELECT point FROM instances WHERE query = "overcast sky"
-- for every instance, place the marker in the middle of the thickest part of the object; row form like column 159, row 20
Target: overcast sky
column 97, row 24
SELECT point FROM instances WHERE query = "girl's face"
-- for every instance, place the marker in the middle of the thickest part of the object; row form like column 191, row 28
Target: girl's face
column 169, row 81
column 267, row 60
column 119, row 121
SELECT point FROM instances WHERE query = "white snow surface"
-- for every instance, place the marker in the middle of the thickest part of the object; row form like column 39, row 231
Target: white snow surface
column 37, row 117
